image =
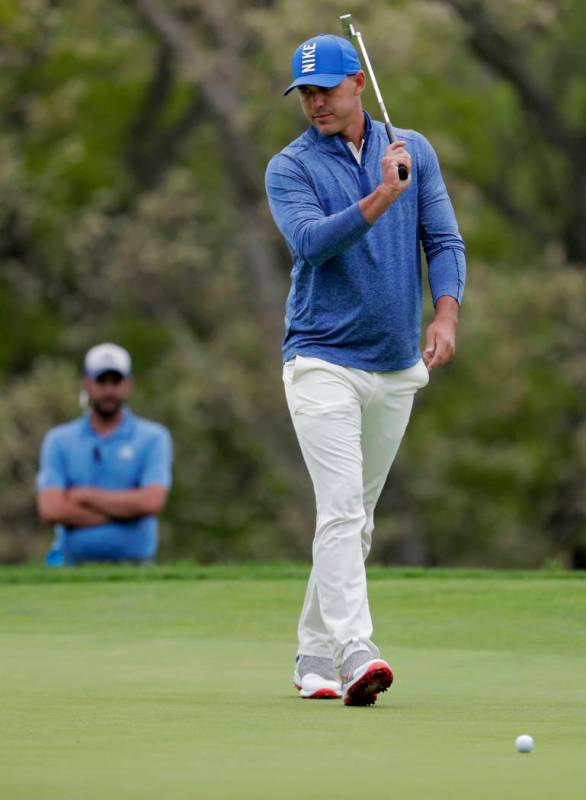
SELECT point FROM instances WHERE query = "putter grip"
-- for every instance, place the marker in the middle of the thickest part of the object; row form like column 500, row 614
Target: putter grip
column 403, row 174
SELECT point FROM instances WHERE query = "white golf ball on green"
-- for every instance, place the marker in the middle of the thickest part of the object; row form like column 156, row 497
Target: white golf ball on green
column 524, row 743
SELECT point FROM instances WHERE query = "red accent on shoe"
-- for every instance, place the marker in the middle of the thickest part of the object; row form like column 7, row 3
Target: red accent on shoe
column 377, row 678
column 323, row 694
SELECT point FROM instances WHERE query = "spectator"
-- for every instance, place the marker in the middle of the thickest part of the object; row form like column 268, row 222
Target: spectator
column 105, row 476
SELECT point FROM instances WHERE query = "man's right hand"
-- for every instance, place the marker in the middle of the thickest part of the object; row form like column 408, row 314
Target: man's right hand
column 391, row 186
column 395, row 156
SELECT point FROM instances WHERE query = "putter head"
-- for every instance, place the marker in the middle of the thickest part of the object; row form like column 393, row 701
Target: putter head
column 347, row 26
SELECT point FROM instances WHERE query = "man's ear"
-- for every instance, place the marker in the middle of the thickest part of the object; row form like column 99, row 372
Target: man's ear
column 360, row 82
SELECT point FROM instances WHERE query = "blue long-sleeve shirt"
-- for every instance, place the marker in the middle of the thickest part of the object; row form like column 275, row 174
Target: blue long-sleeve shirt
column 356, row 291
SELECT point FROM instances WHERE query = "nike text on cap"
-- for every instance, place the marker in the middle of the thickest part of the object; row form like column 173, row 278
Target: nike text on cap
column 324, row 60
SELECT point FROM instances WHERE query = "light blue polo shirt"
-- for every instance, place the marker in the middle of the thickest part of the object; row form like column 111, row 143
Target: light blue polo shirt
column 137, row 453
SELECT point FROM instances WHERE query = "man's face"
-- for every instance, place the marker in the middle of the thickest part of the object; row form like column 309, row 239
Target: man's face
column 107, row 393
column 331, row 111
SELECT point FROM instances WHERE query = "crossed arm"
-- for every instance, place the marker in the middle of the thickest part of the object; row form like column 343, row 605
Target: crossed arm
column 85, row 506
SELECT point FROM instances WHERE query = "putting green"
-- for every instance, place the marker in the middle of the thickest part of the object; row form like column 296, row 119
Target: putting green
column 182, row 689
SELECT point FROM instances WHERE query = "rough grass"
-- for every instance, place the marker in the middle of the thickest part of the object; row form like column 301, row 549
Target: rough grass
column 188, row 570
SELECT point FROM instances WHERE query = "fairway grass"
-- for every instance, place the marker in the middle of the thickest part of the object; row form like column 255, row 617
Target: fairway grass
column 160, row 688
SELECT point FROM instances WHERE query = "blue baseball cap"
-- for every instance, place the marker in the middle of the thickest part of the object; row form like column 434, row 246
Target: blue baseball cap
column 324, row 60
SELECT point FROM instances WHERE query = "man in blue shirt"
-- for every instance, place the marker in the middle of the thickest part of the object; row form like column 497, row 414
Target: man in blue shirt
column 352, row 363
column 104, row 477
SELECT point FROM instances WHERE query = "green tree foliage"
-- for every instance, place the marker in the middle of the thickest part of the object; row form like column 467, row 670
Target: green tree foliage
column 133, row 140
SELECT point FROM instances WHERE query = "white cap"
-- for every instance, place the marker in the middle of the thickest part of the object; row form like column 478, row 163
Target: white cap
column 107, row 357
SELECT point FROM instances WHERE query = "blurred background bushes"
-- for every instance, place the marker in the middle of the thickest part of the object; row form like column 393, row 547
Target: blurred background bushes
column 133, row 140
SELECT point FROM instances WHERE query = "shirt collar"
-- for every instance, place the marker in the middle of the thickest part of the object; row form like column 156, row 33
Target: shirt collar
column 356, row 151
column 123, row 430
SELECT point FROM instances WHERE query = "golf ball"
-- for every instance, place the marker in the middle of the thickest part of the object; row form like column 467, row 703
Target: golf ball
column 524, row 743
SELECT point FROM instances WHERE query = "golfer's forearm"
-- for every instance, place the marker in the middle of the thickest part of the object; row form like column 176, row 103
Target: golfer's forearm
column 447, row 307
column 318, row 240
column 376, row 203
column 330, row 236
column 128, row 503
column 301, row 216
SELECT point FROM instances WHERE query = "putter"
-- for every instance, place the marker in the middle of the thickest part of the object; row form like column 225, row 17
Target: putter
column 350, row 31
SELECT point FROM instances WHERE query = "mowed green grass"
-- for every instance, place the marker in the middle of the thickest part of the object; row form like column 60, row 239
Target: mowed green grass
column 182, row 689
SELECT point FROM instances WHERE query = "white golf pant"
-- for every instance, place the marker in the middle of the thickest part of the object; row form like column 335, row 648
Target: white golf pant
column 349, row 424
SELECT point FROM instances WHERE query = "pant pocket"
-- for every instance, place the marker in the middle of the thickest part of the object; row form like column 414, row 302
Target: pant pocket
column 289, row 371
column 422, row 374
column 410, row 380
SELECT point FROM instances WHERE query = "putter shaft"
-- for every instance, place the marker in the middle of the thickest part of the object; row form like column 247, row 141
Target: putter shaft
column 350, row 32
